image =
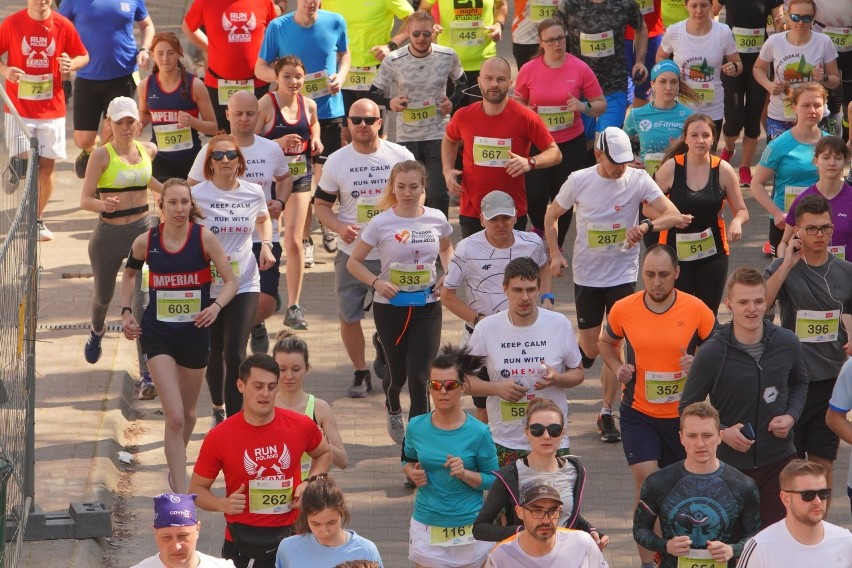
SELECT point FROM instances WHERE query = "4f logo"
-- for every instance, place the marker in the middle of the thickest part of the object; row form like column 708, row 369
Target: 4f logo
column 467, row 4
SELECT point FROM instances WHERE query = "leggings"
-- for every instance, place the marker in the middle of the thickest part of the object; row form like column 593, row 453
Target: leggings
column 744, row 100
column 705, row 279
column 410, row 340
column 108, row 249
column 543, row 185
column 228, row 337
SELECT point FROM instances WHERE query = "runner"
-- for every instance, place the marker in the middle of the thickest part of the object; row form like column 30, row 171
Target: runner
column 39, row 45
column 174, row 334
column 409, row 239
column 639, row 94
column 528, row 14
column 606, row 198
column 838, row 407
column 834, row 19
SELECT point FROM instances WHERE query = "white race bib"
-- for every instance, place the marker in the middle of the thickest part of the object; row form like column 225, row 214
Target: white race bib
column 467, row 32
column 178, row 306
column 749, row 40
column 451, row 536
column 173, row 137
column 270, row 496
column 817, row 327
column 316, row 85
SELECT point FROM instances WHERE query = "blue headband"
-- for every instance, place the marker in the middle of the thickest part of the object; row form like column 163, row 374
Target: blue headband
column 662, row 67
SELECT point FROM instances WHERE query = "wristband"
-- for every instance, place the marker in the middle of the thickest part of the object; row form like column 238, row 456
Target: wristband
column 373, row 285
column 502, row 25
column 267, row 243
column 392, row 45
column 218, row 304
column 127, row 309
column 547, row 296
column 279, row 201
column 141, row 49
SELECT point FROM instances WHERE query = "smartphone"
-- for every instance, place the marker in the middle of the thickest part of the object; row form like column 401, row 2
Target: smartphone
column 748, row 431
column 638, row 77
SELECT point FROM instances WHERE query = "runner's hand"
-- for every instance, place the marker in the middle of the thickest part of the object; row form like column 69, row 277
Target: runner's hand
column 556, row 266
column 685, row 361
column 130, row 326
column 235, row 503
column 678, row 546
column 207, row 316
column 267, row 259
column 780, row 426
column 380, row 52
column 517, row 165
column 14, row 74
column 451, row 179
column 385, row 288
column 348, row 233
column 64, row 62
column 417, row 475
column 334, row 83
column 456, row 467
column 445, row 105
column 546, row 377
column 720, row 551
column 398, row 104
column 735, row 439
column 625, row 373
column 511, row 391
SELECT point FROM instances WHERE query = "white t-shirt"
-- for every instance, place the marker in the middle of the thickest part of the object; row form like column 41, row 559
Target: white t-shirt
column 231, row 216
column 359, row 181
column 206, row 562
column 264, row 162
column 514, row 353
column 479, row 266
column 794, row 64
column 407, row 246
column 774, row 547
column 605, row 209
column 574, row 549
column 841, row 401
column 700, row 59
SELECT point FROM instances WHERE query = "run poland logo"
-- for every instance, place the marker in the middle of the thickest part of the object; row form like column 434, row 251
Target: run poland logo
column 38, row 52
column 239, row 26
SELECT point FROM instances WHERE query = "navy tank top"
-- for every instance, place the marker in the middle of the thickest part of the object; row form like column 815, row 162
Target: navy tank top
column 300, row 164
column 172, row 140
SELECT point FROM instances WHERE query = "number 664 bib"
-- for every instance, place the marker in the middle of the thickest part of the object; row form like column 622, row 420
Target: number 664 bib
column 817, row 327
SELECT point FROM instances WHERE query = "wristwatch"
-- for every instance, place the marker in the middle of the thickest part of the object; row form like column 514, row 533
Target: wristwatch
column 126, row 309
column 532, row 162
column 649, row 223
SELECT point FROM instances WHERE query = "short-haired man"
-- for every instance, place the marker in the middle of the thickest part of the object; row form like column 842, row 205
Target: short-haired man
column 529, row 352
column 702, row 503
column 542, row 544
column 814, row 289
column 802, row 537
column 258, row 450
column 495, row 135
column 176, row 531
column 753, row 371
column 838, row 409
column 656, row 365
column 357, row 175
column 607, row 201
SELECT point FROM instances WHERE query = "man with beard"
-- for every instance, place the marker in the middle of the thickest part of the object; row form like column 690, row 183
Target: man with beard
column 496, row 134
column 802, row 538
column 541, row 544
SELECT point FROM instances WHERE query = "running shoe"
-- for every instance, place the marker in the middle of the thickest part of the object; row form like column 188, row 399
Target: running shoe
column 380, row 364
column 44, row 234
column 93, row 347
column 329, row 239
column 361, row 385
column 308, row 247
column 745, row 176
column 606, row 428
column 80, row 164
column 396, row 427
column 259, row 339
column 217, row 417
column 727, row 154
column 295, row 318
column 767, row 249
column 147, row 390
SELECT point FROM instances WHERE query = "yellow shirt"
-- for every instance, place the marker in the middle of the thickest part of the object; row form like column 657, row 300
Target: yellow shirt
column 369, row 23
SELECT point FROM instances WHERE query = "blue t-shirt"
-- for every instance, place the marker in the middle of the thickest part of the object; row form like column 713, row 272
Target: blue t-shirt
column 793, row 163
column 656, row 128
column 304, row 550
column 446, row 501
column 106, row 28
column 317, row 47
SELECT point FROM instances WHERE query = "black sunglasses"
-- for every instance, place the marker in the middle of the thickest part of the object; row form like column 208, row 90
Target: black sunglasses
column 370, row 120
column 554, row 430
column 799, row 18
column 219, row 155
column 809, row 495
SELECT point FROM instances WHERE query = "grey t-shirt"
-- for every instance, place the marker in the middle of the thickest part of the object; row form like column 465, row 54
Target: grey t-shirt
column 817, row 289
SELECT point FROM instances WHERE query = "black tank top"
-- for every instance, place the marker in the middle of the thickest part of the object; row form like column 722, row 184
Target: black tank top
column 280, row 127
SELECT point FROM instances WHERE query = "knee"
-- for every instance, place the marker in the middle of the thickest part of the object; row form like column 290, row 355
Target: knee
column 175, row 421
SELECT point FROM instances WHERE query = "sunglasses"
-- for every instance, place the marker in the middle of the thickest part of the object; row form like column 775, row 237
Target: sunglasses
column 448, row 385
column 554, row 430
column 219, row 155
column 799, row 18
column 809, row 495
column 419, row 33
column 369, row 120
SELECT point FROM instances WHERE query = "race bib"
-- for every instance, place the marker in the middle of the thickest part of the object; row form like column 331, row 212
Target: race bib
column 541, row 10
column 705, row 91
column 817, row 327
column 839, row 251
column 749, row 40
column 840, row 37
column 216, row 278
column 787, row 106
column 693, row 246
column 226, row 89
column 699, row 559
column 646, row 6
column 605, row 236
column 467, row 32
column 410, row 277
column 316, row 85
column 491, row 152
column 178, row 306
column 597, row 45
column 35, row 87
column 360, row 78
column 661, row 388
column 652, row 162
column 556, row 118
column 366, row 208
column 173, row 137
column 513, row 411
column 270, row 496
column 298, row 166
column 420, row 112
column 451, row 536
column 791, row 192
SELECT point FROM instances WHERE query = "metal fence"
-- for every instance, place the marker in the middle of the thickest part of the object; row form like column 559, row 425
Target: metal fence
column 18, row 309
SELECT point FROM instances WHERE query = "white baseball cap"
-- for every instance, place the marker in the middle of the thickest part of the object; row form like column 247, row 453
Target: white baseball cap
column 122, row 107
column 615, row 144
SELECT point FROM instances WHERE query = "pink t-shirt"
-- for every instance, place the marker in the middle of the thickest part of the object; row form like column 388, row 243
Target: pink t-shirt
column 549, row 87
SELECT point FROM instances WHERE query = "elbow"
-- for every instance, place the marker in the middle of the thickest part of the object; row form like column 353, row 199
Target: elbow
column 341, row 459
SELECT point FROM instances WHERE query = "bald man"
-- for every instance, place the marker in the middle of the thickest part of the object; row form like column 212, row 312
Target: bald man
column 356, row 175
column 497, row 135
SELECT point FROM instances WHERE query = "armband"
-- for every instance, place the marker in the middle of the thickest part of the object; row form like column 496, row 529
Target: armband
column 325, row 196
column 547, row 296
column 134, row 263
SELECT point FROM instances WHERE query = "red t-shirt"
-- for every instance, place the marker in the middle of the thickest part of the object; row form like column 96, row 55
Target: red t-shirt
column 653, row 21
column 515, row 122
column 35, row 47
column 234, row 31
column 259, row 456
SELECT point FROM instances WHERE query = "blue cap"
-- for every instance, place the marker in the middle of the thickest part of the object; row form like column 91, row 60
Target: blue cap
column 174, row 510
column 662, row 67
